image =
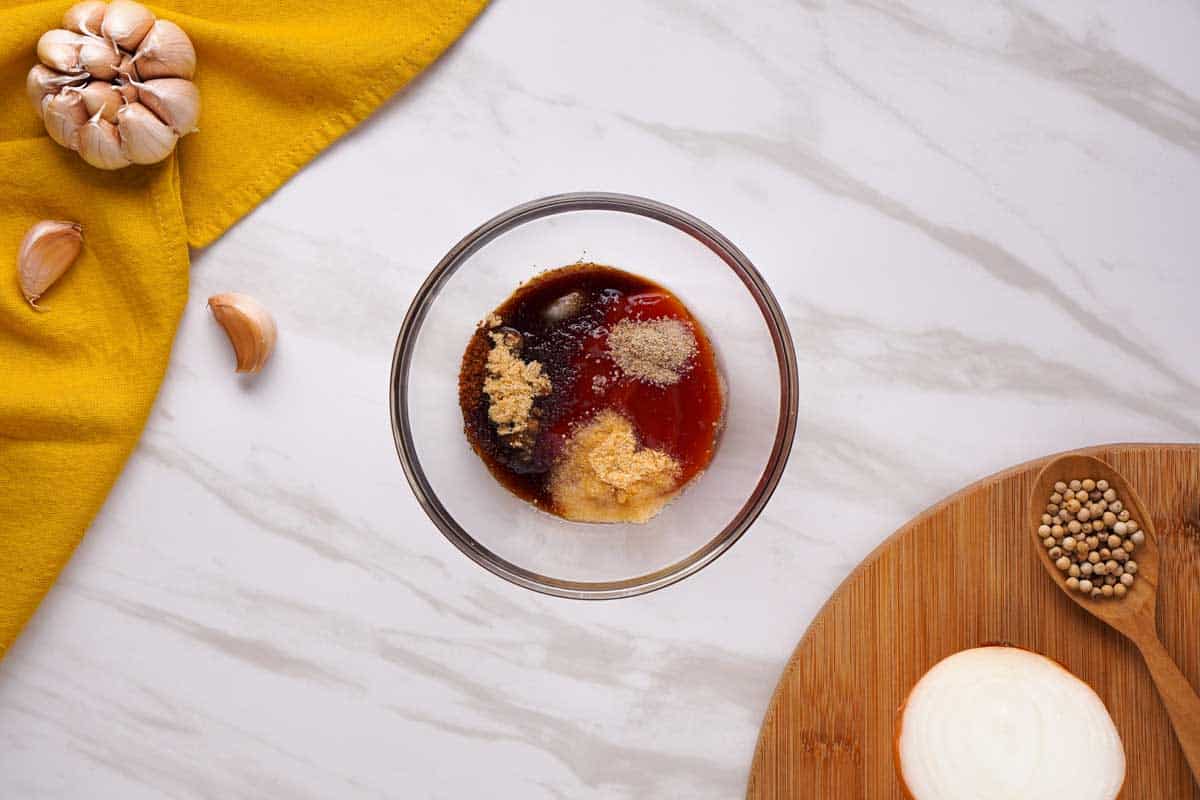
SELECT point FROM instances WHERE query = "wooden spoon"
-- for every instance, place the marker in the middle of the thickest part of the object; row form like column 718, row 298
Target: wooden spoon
column 1133, row 614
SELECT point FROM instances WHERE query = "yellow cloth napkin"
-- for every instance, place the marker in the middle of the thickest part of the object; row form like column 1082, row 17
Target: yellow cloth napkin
column 279, row 81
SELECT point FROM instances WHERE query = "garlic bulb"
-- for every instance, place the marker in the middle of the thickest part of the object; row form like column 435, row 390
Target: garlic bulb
column 47, row 251
column 115, row 84
column 85, row 17
column 166, row 52
column 249, row 326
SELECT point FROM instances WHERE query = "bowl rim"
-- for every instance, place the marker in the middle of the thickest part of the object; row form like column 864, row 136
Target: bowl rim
column 533, row 210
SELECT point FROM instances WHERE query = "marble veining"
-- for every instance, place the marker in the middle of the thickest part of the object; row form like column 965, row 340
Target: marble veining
column 978, row 217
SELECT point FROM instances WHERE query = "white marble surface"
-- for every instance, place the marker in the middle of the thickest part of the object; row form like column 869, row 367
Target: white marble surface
column 981, row 218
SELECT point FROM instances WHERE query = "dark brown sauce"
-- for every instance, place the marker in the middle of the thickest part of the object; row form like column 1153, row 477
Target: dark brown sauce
column 682, row 419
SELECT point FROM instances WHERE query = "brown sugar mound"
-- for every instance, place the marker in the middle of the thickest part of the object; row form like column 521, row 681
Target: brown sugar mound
column 656, row 351
column 605, row 475
column 512, row 384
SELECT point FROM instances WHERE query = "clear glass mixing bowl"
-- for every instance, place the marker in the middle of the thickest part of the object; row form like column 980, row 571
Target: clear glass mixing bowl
column 537, row 550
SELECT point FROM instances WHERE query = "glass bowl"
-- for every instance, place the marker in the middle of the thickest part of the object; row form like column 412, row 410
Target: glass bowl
column 538, row 550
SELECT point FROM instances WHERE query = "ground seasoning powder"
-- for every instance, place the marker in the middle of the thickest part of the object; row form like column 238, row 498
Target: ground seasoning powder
column 605, row 475
column 656, row 351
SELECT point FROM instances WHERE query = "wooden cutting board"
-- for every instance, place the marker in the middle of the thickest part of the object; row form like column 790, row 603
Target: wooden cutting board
column 963, row 574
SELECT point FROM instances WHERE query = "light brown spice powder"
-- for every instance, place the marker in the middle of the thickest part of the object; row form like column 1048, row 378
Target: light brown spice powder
column 656, row 351
column 605, row 475
column 511, row 384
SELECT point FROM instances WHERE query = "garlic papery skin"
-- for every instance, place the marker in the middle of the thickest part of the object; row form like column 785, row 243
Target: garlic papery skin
column 85, row 17
column 249, row 326
column 59, row 50
column 48, row 250
column 145, row 139
column 100, row 144
column 99, row 59
column 174, row 100
column 64, row 115
column 166, row 52
column 42, row 81
column 126, row 23
column 103, row 98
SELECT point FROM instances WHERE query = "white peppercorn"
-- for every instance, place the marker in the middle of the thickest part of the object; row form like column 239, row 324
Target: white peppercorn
column 1090, row 536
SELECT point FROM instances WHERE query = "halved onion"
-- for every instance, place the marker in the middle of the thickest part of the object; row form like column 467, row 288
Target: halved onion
column 999, row 723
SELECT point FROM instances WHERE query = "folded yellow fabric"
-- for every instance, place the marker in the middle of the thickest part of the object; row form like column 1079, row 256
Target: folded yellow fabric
column 278, row 82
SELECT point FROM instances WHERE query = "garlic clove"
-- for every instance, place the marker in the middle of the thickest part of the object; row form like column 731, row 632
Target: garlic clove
column 64, row 115
column 42, row 81
column 126, row 23
column 100, row 144
column 102, row 97
column 98, row 59
column 59, row 49
column 249, row 326
column 48, row 250
column 175, row 101
column 145, row 139
column 85, row 17
column 166, row 52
